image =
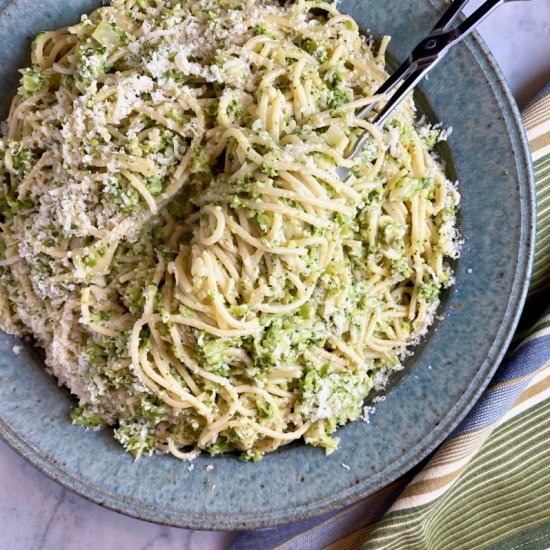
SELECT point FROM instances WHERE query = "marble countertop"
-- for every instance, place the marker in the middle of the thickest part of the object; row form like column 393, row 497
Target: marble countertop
column 38, row 514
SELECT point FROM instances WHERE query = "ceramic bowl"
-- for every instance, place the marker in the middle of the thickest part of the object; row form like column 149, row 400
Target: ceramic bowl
column 487, row 152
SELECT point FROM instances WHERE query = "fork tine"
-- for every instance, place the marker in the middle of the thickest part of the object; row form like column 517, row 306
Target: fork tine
column 387, row 87
column 399, row 96
column 409, row 83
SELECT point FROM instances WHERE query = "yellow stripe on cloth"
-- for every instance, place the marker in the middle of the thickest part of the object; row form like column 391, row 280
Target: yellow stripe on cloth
column 540, row 146
column 536, row 115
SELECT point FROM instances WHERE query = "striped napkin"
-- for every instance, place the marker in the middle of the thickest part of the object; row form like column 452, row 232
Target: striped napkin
column 488, row 485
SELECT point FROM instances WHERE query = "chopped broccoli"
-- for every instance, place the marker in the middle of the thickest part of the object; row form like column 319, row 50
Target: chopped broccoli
column 251, row 454
column 264, row 29
column 213, row 352
column 264, row 221
column 33, row 81
column 318, row 436
column 342, row 220
column 285, row 340
column 200, row 164
column 154, row 185
column 135, row 438
column 87, row 416
column 265, row 409
column 269, row 170
column 219, row 448
column 307, row 311
column 425, row 183
column 212, row 109
column 153, row 409
column 124, row 196
column 401, row 269
column 339, row 96
column 236, row 108
column 428, row 292
column 90, row 63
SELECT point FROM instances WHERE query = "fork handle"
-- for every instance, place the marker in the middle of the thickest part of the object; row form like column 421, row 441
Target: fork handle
column 467, row 26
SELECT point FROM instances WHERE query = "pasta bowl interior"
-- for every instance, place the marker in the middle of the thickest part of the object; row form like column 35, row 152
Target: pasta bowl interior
column 254, row 221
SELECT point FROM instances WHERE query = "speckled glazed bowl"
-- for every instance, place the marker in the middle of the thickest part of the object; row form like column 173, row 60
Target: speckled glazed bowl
column 487, row 152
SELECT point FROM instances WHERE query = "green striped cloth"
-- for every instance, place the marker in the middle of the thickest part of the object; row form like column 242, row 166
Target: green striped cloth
column 537, row 124
column 488, row 485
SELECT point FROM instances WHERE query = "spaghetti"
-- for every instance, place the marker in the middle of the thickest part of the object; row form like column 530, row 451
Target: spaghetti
column 175, row 236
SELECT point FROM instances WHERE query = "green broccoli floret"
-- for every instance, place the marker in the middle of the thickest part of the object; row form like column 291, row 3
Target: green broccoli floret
column 269, row 170
column 87, row 416
column 265, row 409
column 425, row 183
column 176, row 115
column 404, row 189
column 334, row 77
column 251, row 454
column 307, row 311
column 90, row 63
column 124, row 196
column 264, row 29
column 135, row 438
column 432, row 137
column 342, row 220
column 213, row 352
column 153, row 409
column 200, row 164
column 154, row 185
column 23, row 160
column 401, row 269
column 236, row 108
column 339, row 96
column 264, row 221
column 220, row 448
column 134, row 296
column 319, row 436
column 33, row 81
column 212, row 109
column 285, row 340
column 428, row 292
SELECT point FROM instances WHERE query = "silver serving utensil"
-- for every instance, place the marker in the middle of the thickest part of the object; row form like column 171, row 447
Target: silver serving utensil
column 425, row 56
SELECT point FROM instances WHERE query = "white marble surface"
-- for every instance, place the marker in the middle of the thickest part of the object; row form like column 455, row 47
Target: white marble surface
column 518, row 34
column 38, row 514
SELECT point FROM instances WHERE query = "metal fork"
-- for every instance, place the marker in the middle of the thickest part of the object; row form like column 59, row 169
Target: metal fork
column 425, row 56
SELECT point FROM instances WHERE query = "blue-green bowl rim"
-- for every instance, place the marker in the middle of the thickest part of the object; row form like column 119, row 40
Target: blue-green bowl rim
column 137, row 509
